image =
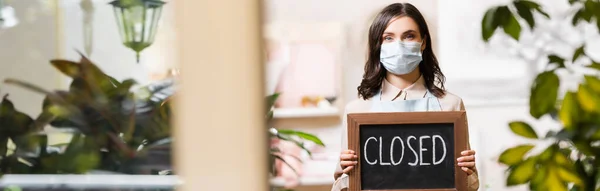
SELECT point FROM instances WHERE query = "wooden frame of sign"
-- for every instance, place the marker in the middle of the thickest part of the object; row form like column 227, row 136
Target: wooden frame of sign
column 454, row 120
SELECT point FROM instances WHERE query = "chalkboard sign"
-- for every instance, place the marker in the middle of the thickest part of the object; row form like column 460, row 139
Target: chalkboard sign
column 407, row 150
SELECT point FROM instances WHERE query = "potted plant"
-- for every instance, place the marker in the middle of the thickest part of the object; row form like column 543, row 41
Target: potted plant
column 298, row 138
column 114, row 129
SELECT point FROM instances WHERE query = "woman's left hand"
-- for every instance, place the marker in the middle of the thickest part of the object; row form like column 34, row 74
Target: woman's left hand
column 467, row 161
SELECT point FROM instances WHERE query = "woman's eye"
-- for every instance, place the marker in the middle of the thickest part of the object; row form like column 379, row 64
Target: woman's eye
column 387, row 38
column 409, row 37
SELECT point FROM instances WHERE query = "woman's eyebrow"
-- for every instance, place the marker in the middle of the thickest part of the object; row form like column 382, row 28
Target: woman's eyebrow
column 409, row 31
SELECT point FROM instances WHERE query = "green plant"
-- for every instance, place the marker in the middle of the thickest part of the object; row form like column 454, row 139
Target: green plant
column 571, row 161
column 114, row 128
column 296, row 137
column 14, row 127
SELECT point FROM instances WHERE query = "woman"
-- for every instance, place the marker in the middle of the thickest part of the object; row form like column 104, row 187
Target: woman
column 401, row 75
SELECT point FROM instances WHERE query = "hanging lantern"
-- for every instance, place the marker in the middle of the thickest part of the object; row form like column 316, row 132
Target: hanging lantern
column 87, row 6
column 138, row 21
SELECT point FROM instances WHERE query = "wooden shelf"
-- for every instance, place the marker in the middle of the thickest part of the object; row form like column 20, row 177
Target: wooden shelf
column 305, row 112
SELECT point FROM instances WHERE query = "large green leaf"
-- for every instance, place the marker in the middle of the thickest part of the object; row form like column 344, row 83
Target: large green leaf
column 512, row 27
column 122, row 89
column 590, row 6
column 588, row 12
column 544, row 93
column 303, row 135
column 489, row 23
column 51, row 96
column 569, row 111
column 563, row 161
column 537, row 7
column 514, row 155
column 98, row 83
column 553, row 180
column 537, row 182
column 569, row 175
column 524, row 12
column 523, row 129
column 547, row 154
column 595, row 65
column 541, row 11
column 13, row 122
column 593, row 82
column 114, row 81
column 577, row 17
column 81, row 155
column 69, row 68
column 588, row 100
column 578, row 53
column 522, row 173
column 270, row 101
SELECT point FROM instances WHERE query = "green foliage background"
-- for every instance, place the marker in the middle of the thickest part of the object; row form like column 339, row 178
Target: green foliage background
column 571, row 161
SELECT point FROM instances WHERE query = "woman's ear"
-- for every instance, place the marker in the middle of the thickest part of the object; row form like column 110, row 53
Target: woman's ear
column 424, row 44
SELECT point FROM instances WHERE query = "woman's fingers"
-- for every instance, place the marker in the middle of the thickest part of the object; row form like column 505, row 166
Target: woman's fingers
column 467, row 170
column 466, row 164
column 467, row 161
column 348, row 163
column 469, row 158
column 348, row 160
column 344, row 157
column 348, row 169
column 467, row 153
column 348, row 155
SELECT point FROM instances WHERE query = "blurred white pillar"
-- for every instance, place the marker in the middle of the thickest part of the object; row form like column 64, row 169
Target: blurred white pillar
column 220, row 132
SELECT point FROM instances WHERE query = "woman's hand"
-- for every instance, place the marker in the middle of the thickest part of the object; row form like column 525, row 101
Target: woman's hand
column 467, row 161
column 348, row 160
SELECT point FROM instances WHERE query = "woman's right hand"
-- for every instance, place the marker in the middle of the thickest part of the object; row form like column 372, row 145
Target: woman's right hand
column 348, row 160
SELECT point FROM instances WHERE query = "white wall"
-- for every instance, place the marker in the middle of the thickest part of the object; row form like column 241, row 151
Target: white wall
column 26, row 50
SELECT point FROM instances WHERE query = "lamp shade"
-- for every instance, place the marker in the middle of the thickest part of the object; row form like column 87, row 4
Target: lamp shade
column 138, row 22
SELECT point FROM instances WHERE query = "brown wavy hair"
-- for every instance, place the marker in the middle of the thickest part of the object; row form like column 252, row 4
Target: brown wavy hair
column 374, row 70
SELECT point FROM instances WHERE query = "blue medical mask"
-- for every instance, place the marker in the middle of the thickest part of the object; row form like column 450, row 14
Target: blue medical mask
column 401, row 57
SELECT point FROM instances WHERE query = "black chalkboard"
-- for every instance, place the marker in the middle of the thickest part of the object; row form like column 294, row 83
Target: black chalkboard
column 423, row 156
